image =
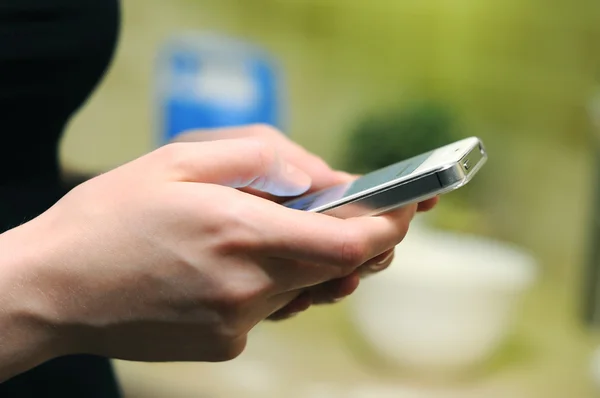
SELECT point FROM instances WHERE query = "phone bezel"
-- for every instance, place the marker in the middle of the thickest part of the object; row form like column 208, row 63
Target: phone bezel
column 451, row 175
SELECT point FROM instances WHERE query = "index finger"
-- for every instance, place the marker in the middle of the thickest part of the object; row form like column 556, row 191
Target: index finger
column 346, row 243
column 428, row 204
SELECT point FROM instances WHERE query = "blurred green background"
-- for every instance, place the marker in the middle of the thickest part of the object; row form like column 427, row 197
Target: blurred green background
column 518, row 74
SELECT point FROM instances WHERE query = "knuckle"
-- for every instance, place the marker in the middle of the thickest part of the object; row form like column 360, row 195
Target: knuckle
column 169, row 150
column 228, row 350
column 354, row 250
column 264, row 153
column 232, row 301
column 239, row 292
column 236, row 231
column 233, row 305
column 262, row 130
column 173, row 156
column 190, row 135
column 226, row 333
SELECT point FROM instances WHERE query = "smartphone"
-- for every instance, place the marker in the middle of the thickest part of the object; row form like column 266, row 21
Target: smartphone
column 409, row 181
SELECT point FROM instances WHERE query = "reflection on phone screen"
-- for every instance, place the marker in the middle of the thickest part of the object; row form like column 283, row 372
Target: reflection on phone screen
column 369, row 181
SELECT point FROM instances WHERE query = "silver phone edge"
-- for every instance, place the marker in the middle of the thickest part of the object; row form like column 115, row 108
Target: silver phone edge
column 452, row 177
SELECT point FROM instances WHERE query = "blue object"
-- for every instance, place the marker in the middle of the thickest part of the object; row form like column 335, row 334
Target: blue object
column 209, row 81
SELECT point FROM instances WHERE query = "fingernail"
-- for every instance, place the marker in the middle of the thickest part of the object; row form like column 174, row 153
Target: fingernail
column 381, row 263
column 298, row 180
column 376, row 267
column 337, row 300
column 297, row 175
column 289, row 181
column 385, row 258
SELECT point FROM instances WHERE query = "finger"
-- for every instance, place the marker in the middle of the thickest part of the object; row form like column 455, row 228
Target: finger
column 305, row 248
column 236, row 163
column 321, row 239
column 339, row 177
column 299, row 304
column 377, row 264
column 348, row 176
column 428, row 204
column 208, row 135
column 326, row 293
column 321, row 174
column 335, row 290
column 310, row 248
column 264, row 195
column 228, row 133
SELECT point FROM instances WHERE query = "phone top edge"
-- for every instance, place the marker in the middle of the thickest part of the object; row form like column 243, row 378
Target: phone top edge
column 450, row 172
column 451, row 176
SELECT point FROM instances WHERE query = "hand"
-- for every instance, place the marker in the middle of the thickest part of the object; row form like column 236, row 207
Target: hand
column 161, row 260
column 322, row 176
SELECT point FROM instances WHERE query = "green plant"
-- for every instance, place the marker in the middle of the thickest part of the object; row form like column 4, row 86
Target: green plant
column 399, row 133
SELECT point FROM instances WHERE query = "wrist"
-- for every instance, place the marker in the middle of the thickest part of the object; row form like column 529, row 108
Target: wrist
column 29, row 331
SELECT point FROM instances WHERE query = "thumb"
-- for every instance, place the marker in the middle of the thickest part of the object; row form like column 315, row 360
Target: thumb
column 238, row 163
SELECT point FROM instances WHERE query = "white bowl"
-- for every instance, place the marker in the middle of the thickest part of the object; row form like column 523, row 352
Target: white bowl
column 445, row 303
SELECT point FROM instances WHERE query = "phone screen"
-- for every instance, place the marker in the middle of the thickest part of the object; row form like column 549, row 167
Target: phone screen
column 371, row 180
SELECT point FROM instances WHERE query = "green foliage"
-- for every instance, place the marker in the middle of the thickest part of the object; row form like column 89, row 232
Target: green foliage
column 400, row 133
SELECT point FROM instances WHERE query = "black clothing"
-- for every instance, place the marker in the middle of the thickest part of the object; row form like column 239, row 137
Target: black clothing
column 52, row 55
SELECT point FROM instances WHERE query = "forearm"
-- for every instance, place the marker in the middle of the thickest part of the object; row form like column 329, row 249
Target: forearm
column 26, row 337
